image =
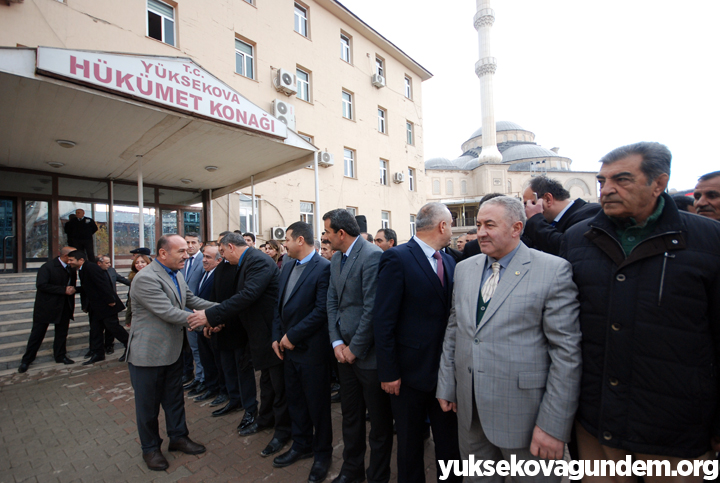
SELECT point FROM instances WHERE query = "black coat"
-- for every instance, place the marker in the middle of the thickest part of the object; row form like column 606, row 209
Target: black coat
column 97, row 292
column 50, row 298
column 410, row 316
column 116, row 277
column 233, row 336
column 304, row 317
column 650, row 333
column 547, row 238
column 252, row 305
column 80, row 229
column 471, row 249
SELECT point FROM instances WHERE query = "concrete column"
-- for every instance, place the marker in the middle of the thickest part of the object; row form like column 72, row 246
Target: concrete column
column 141, row 204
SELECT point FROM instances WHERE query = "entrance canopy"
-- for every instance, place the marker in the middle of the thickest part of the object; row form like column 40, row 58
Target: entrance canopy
column 99, row 115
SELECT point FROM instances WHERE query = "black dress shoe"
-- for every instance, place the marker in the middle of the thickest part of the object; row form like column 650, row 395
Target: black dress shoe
column 206, row 396
column 66, row 360
column 155, row 461
column 319, row 471
column 186, row 445
column 254, row 428
column 198, row 390
column 191, row 386
column 229, row 408
column 23, row 367
column 247, row 420
column 188, row 379
column 334, row 387
column 221, row 399
column 335, row 398
column 273, row 447
column 348, row 479
column 123, row 357
column 109, row 349
column 95, row 358
column 89, row 353
column 286, row 459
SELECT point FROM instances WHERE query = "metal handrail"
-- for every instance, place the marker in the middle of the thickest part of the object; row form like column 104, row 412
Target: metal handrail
column 4, row 252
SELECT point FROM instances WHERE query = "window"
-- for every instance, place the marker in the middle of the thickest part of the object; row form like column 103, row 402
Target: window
column 408, row 87
column 244, row 59
column 310, row 140
column 345, row 48
column 411, row 179
column 409, row 127
column 379, row 66
column 301, row 20
column 246, row 218
column 436, row 186
column 303, row 85
column 307, row 211
column 161, row 22
column 412, row 225
column 347, row 105
column 383, row 172
column 382, row 125
column 251, row 2
column 352, row 210
column 463, row 187
column 449, row 187
column 384, row 219
column 349, row 158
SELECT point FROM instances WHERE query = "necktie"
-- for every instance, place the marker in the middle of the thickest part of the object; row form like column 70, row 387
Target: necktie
column 189, row 266
column 202, row 281
column 554, row 223
column 342, row 262
column 440, row 268
column 491, row 284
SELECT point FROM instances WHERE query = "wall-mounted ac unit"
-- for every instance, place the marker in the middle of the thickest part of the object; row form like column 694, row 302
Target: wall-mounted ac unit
column 378, row 80
column 285, row 112
column 325, row 159
column 398, row 177
column 278, row 232
column 286, row 82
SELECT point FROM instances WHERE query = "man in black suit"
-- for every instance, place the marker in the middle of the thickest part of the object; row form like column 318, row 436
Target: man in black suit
column 550, row 212
column 102, row 303
column 412, row 305
column 300, row 338
column 105, row 263
column 81, row 230
column 54, row 304
column 253, row 305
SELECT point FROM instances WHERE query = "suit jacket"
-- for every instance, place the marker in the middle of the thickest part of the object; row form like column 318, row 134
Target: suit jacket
column 80, row 229
column 204, row 292
column 97, row 291
column 196, row 272
column 116, row 277
column 548, row 238
column 50, row 298
column 252, row 305
column 304, row 317
column 471, row 249
column 351, row 298
column 233, row 336
column 410, row 316
column 159, row 317
column 523, row 361
column 456, row 255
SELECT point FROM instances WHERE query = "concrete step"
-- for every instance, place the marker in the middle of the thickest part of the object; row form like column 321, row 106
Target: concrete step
column 12, row 278
column 14, row 287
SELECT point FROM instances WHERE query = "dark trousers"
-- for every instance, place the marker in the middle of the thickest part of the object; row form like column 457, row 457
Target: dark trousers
column 109, row 338
column 307, row 388
column 240, row 378
column 360, row 389
column 210, row 370
column 273, row 404
column 86, row 245
column 411, row 408
column 37, row 334
column 188, row 362
column 156, row 386
column 218, row 363
column 110, row 324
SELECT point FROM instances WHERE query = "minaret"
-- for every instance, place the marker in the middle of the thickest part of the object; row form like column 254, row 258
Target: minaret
column 485, row 69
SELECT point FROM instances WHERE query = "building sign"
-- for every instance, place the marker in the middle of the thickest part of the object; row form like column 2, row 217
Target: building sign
column 176, row 83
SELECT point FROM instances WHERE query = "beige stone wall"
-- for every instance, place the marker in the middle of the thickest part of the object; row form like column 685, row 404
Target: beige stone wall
column 206, row 31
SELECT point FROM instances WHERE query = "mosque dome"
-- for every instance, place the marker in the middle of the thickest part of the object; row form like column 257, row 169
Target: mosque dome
column 499, row 127
column 526, row 151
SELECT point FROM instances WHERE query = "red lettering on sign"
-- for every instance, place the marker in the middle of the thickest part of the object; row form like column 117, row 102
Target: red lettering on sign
column 196, row 84
column 206, row 89
column 196, row 99
column 74, row 66
column 181, row 98
column 265, row 123
column 253, row 121
column 229, row 109
column 235, row 99
column 185, row 81
column 147, row 66
column 157, row 72
column 149, row 89
column 172, row 76
column 161, row 93
column 215, row 109
column 216, row 91
column 123, row 79
column 241, row 116
column 108, row 74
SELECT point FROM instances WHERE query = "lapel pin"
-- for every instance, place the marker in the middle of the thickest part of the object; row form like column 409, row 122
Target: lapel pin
column 517, row 273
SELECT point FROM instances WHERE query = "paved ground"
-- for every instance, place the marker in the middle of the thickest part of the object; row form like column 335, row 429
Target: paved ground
column 75, row 423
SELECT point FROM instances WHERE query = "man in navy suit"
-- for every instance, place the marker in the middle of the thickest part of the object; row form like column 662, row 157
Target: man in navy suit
column 192, row 272
column 412, row 305
column 300, row 338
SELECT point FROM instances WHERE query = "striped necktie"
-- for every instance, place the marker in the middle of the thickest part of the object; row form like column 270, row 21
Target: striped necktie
column 491, row 284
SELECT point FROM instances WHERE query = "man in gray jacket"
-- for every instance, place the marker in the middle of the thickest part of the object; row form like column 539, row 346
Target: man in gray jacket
column 159, row 296
column 350, row 302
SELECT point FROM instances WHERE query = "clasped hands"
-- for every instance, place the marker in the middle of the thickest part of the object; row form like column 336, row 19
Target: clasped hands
column 344, row 355
column 279, row 347
column 198, row 319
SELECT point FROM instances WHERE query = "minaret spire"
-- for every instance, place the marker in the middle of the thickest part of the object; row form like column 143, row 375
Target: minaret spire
column 485, row 70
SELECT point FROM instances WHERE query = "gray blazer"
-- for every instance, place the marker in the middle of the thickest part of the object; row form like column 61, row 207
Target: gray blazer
column 523, row 361
column 159, row 318
column 351, row 298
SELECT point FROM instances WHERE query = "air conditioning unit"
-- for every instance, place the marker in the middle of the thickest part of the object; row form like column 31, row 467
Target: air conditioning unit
column 378, row 80
column 325, row 159
column 278, row 232
column 399, row 177
column 286, row 82
column 285, row 112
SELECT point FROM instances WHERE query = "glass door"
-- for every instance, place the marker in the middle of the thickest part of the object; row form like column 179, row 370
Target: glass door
column 7, row 235
column 36, row 227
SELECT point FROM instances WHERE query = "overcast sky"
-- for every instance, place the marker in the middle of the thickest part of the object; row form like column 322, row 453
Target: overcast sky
column 584, row 76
